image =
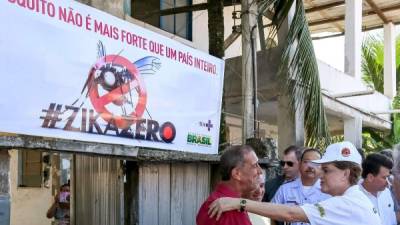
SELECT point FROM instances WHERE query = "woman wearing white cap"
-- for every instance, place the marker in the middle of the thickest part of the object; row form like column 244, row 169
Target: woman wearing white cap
column 341, row 166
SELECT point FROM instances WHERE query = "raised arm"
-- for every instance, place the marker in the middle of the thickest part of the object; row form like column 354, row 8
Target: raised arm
column 51, row 212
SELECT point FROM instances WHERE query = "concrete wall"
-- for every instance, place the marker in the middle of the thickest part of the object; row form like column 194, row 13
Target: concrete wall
column 335, row 82
column 4, row 173
column 4, row 187
column 28, row 205
column 235, row 130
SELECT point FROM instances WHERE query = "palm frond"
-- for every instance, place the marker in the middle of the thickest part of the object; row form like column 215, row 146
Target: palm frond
column 398, row 60
column 280, row 9
column 375, row 140
column 396, row 120
column 372, row 62
column 300, row 69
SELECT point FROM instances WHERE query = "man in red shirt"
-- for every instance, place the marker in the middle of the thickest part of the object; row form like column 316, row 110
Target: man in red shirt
column 240, row 174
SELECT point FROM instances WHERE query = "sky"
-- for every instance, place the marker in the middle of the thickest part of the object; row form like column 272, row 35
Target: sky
column 331, row 50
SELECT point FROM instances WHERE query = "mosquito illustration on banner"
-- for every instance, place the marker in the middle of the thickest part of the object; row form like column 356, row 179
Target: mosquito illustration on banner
column 122, row 82
column 117, row 92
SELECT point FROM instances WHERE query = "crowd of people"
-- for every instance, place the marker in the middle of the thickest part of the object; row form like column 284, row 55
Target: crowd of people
column 314, row 189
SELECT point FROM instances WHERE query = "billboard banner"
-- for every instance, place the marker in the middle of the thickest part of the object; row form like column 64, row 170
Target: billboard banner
column 73, row 72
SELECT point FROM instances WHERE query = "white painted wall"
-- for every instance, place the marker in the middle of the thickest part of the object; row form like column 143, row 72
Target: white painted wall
column 353, row 38
column 200, row 28
column 28, row 205
column 335, row 82
column 235, row 129
column 389, row 81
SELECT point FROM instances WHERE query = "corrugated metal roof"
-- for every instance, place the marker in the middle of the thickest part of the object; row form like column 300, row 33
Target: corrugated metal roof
column 327, row 16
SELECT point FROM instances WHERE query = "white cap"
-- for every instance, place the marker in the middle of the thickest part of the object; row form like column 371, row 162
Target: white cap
column 341, row 151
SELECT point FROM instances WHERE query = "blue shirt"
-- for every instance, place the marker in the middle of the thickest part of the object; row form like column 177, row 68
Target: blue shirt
column 294, row 193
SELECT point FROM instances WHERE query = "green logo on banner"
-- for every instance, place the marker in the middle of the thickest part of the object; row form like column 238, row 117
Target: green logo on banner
column 199, row 139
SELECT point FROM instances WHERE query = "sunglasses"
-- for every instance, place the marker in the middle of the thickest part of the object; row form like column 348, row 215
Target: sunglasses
column 289, row 163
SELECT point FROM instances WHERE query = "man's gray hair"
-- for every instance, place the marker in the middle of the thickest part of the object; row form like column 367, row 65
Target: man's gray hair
column 232, row 157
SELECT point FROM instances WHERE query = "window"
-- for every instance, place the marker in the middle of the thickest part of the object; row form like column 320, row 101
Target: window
column 30, row 168
column 179, row 24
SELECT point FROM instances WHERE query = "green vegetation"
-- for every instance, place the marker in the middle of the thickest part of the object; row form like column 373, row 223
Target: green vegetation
column 372, row 68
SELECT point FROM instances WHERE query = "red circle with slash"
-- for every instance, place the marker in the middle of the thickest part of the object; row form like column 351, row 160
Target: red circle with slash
column 99, row 102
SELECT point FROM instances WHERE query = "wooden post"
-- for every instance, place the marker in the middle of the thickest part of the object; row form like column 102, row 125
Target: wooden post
column 249, row 49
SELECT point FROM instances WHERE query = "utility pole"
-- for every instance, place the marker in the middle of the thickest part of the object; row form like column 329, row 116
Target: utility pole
column 249, row 67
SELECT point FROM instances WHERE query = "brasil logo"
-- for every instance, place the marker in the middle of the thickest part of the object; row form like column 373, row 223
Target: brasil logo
column 198, row 139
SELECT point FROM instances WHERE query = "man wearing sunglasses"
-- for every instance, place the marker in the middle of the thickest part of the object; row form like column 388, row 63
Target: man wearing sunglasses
column 376, row 171
column 306, row 188
column 290, row 167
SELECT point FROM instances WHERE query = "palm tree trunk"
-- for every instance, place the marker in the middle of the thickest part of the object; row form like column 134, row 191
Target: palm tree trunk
column 216, row 48
column 216, row 28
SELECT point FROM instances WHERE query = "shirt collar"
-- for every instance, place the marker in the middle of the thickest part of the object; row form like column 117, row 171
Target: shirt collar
column 365, row 190
column 299, row 184
column 350, row 189
column 227, row 191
